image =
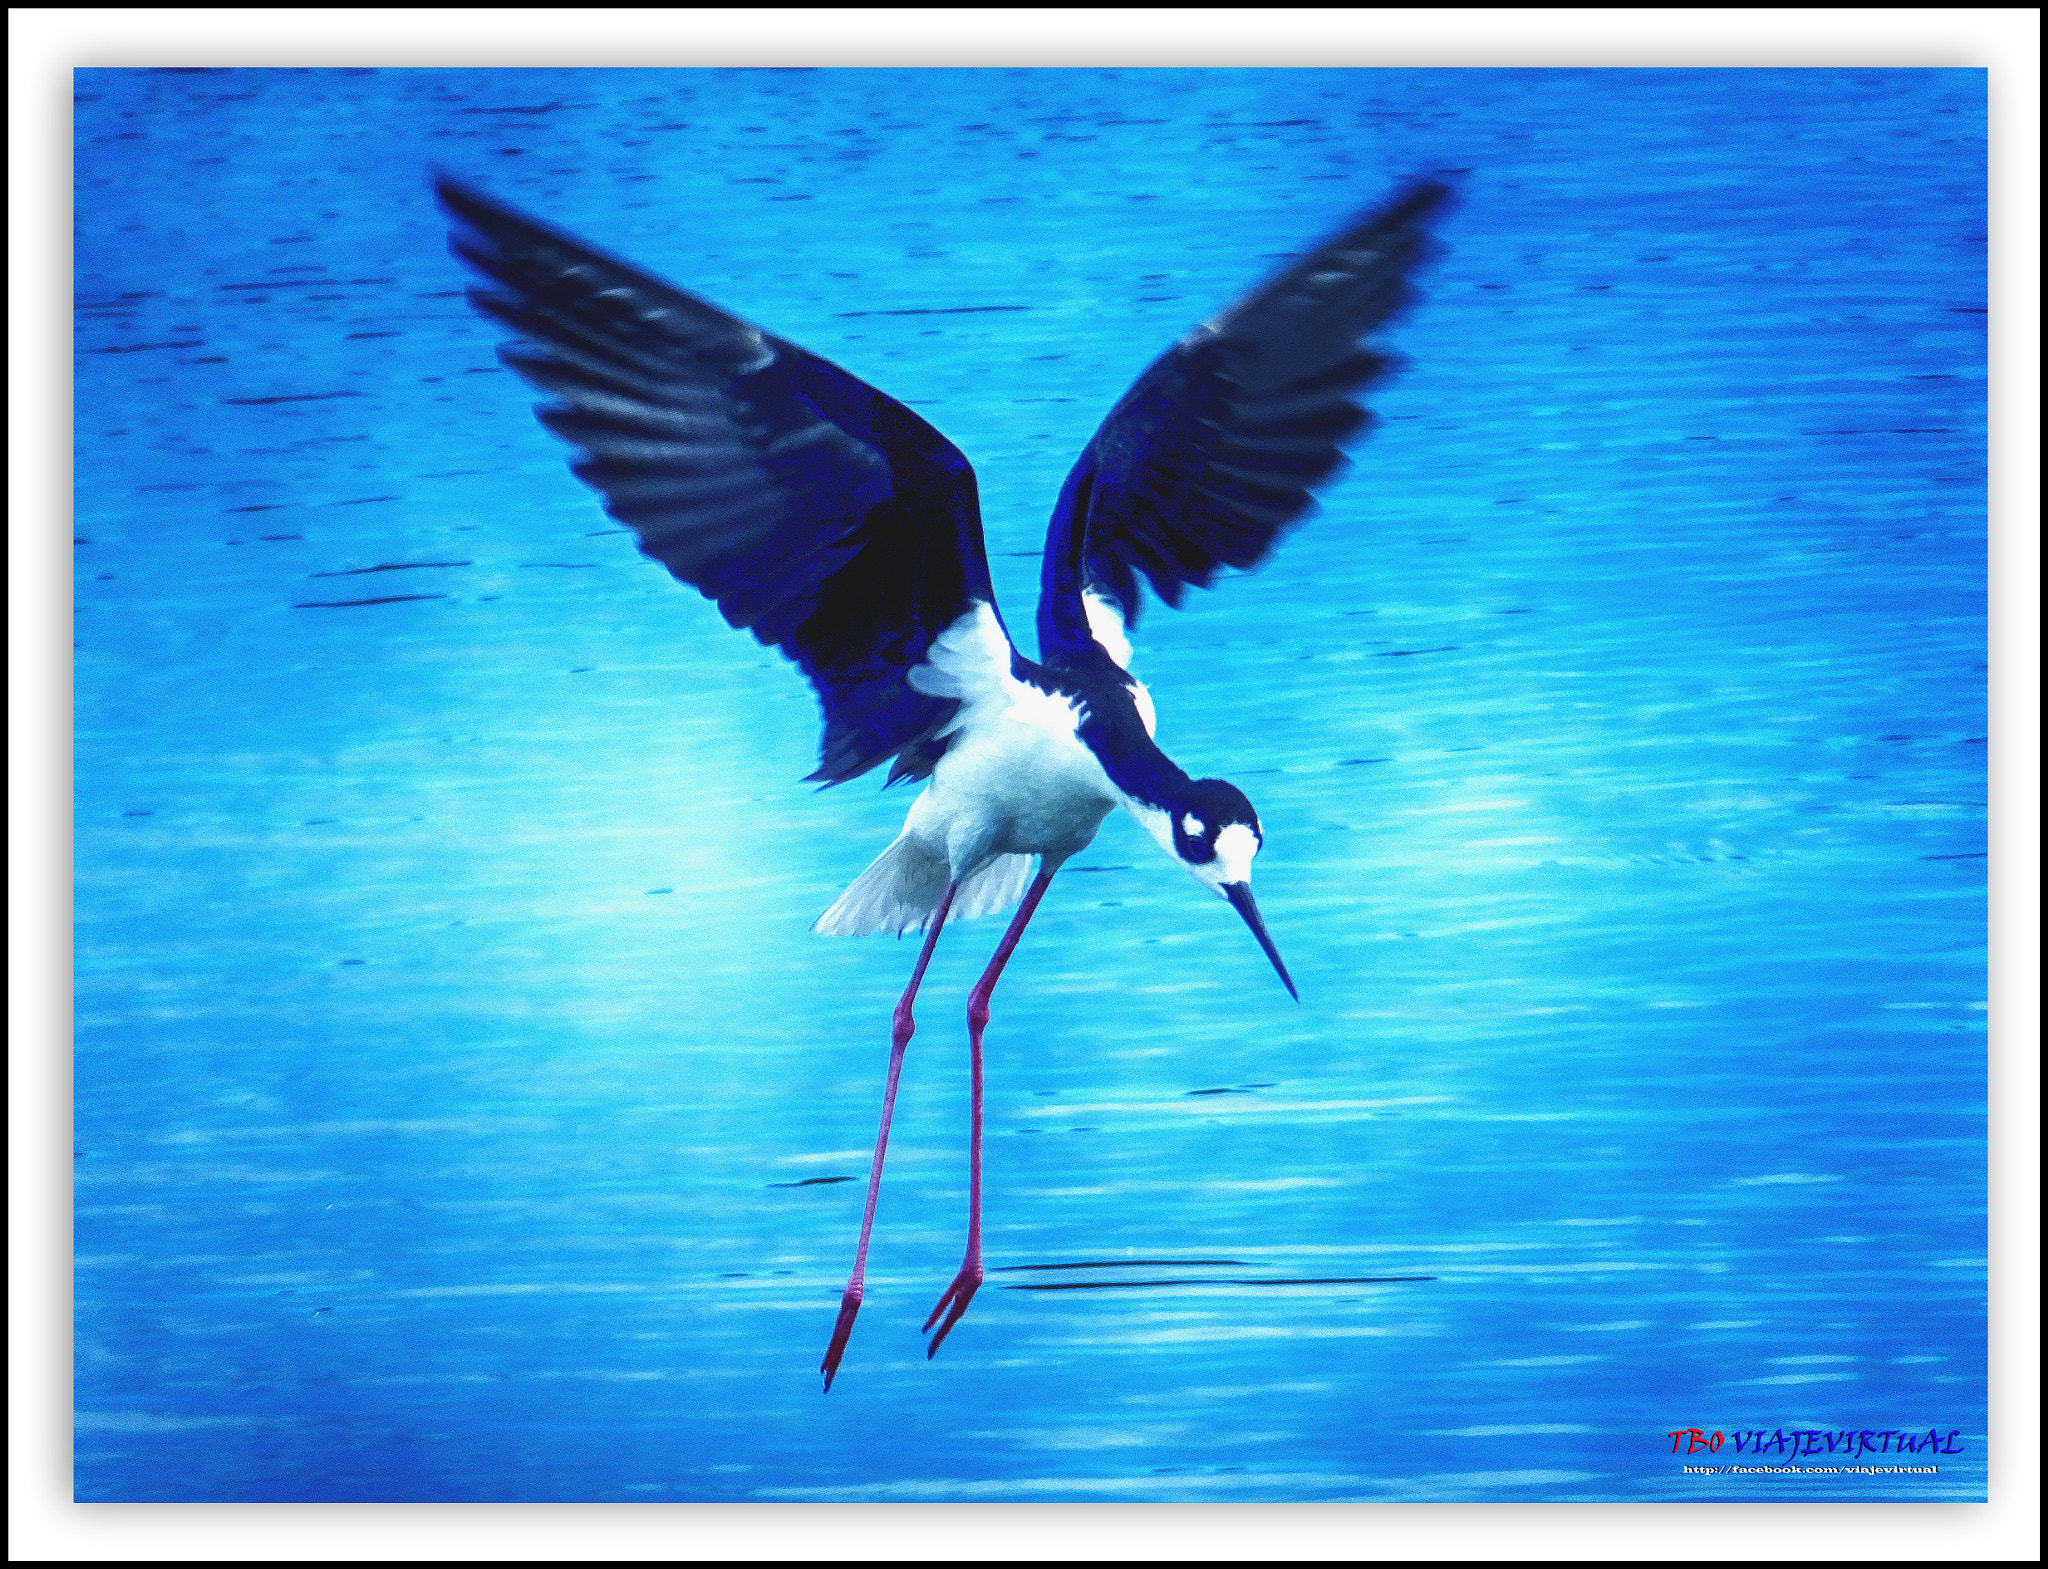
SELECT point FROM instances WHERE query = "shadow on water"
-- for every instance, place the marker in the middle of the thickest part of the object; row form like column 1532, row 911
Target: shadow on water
column 1195, row 1280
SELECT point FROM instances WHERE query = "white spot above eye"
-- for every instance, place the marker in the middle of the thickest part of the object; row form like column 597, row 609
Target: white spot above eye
column 1235, row 847
column 1192, row 825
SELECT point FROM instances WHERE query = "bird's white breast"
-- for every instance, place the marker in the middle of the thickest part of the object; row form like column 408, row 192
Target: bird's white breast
column 1015, row 778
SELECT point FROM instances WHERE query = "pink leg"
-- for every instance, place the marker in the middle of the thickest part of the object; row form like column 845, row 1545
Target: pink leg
column 905, row 1026
column 954, row 1303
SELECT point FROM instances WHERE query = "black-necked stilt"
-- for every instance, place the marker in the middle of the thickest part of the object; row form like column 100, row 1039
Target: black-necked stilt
column 836, row 525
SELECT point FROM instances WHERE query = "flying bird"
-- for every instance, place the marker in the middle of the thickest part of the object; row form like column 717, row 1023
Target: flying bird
column 839, row 527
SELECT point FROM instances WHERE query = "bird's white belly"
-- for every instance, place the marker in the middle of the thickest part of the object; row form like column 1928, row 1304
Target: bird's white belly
column 1019, row 785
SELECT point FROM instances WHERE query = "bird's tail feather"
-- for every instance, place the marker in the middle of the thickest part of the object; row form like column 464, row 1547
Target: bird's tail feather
column 995, row 887
column 901, row 889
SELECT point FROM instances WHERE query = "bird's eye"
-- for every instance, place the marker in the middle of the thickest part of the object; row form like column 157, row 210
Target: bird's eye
column 1192, row 826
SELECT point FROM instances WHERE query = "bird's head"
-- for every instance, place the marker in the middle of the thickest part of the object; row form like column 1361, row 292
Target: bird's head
column 1213, row 832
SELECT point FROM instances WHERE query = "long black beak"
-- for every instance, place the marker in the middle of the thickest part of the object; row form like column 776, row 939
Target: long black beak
column 1240, row 897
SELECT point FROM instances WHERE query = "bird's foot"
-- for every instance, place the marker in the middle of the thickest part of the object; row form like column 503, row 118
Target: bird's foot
column 842, row 1331
column 954, row 1303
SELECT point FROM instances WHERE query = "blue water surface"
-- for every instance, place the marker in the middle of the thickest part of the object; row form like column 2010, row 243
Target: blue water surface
column 466, row 1111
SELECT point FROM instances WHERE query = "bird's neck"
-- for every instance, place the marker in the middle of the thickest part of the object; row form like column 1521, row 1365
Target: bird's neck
column 1151, row 784
column 1112, row 728
column 1109, row 725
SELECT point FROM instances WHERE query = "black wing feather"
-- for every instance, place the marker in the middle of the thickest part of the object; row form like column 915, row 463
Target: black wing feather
column 1215, row 449
column 820, row 514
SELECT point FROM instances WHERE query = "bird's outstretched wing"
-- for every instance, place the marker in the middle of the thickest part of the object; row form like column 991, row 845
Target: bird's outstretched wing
column 1214, row 450
column 820, row 514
